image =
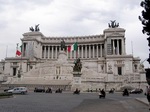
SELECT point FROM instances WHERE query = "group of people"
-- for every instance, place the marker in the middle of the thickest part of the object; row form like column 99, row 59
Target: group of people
column 77, row 91
column 125, row 92
column 48, row 90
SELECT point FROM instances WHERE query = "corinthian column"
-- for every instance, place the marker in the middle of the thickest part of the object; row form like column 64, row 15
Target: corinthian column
column 93, row 51
column 48, row 51
column 117, row 47
column 82, row 50
column 101, row 50
column 52, row 52
column 78, row 52
column 89, row 51
column 113, row 42
column 55, row 52
column 97, row 50
column 85, row 51
column 44, row 52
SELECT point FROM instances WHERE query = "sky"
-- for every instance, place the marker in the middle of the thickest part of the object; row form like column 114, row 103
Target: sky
column 71, row 18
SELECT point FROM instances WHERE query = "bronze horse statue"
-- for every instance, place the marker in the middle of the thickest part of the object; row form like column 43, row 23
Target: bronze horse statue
column 36, row 28
column 62, row 45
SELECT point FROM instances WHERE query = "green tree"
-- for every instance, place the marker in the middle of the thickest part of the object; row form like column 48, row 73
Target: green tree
column 145, row 20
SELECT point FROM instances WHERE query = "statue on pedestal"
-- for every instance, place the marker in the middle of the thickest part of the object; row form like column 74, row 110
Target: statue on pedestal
column 63, row 45
column 78, row 65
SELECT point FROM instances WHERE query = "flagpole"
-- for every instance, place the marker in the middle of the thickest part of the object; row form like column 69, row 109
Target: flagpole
column 17, row 48
column 6, row 50
column 132, row 47
column 77, row 48
column 20, row 71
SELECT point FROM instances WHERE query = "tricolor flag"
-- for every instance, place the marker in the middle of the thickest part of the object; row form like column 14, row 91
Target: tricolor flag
column 73, row 47
column 18, row 52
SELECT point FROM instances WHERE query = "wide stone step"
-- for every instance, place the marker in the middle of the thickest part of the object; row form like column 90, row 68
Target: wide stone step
column 49, row 82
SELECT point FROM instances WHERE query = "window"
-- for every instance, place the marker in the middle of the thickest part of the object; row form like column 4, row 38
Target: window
column 135, row 66
column 119, row 71
column 14, row 71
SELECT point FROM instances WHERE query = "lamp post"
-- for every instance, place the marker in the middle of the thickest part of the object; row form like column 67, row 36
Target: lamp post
column 20, row 70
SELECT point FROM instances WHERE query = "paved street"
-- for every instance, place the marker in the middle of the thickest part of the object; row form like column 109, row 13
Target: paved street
column 67, row 102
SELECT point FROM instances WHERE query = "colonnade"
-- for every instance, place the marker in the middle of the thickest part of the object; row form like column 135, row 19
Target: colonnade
column 118, row 47
column 83, row 51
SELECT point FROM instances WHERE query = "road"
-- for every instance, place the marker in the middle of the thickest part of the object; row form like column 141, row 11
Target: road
column 67, row 102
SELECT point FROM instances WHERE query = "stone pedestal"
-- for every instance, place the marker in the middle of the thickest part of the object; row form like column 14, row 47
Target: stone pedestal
column 62, row 57
column 76, row 81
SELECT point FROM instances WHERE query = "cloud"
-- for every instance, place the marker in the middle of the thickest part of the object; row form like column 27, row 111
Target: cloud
column 70, row 18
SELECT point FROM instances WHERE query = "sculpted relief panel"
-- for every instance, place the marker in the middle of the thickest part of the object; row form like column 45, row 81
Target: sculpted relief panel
column 67, row 70
column 86, row 72
column 35, row 72
column 48, row 70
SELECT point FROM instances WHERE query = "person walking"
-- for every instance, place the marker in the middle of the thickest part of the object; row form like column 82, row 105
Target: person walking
column 145, row 91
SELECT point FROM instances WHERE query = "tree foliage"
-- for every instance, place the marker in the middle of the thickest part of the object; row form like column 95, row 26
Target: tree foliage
column 145, row 18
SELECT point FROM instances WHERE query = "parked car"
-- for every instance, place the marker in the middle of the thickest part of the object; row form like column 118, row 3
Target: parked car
column 39, row 90
column 18, row 90
column 136, row 91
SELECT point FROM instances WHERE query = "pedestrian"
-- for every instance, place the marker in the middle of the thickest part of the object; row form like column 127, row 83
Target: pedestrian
column 145, row 92
column 148, row 95
column 102, row 94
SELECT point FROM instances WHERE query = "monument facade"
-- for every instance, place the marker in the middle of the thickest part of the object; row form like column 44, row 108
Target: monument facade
column 105, row 63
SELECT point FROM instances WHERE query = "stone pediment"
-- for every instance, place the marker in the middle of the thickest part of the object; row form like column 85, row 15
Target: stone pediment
column 114, row 30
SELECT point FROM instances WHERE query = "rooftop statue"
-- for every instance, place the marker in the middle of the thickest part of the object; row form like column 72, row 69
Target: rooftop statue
column 31, row 29
column 78, row 65
column 36, row 28
column 113, row 24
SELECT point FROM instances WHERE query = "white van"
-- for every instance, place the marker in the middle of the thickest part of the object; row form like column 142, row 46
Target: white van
column 18, row 90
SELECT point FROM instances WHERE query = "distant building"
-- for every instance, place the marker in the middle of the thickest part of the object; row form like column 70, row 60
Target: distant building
column 105, row 63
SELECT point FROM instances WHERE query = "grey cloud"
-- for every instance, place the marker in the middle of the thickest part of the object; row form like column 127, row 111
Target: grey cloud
column 3, row 24
column 130, row 3
column 23, row 5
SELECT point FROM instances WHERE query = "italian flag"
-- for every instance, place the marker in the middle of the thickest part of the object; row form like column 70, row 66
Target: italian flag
column 18, row 53
column 73, row 47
